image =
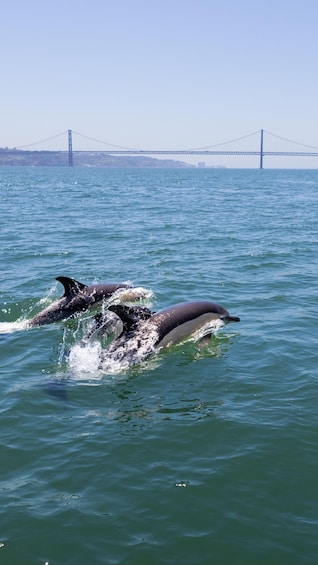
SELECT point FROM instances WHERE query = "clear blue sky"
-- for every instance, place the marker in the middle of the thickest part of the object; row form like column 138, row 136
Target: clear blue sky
column 158, row 73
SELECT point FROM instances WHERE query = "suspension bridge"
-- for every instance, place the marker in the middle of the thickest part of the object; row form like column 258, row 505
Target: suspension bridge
column 254, row 145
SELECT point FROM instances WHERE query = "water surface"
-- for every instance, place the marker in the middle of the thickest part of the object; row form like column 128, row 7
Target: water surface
column 198, row 455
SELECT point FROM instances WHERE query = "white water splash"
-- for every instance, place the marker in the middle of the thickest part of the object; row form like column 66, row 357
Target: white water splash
column 133, row 294
column 91, row 359
column 11, row 327
column 122, row 353
column 84, row 361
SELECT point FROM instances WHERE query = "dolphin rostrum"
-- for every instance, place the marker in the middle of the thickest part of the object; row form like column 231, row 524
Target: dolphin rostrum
column 145, row 332
column 79, row 297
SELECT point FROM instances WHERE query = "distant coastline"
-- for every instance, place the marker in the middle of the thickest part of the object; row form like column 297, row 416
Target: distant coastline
column 16, row 157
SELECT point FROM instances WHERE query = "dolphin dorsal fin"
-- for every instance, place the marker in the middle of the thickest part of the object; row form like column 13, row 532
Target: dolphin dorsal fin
column 130, row 315
column 71, row 286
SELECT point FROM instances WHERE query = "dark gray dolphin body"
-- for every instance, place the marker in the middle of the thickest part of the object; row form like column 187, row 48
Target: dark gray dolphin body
column 178, row 322
column 175, row 323
column 145, row 332
column 77, row 298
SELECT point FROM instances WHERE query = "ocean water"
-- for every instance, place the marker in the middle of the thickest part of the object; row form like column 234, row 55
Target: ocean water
column 198, row 455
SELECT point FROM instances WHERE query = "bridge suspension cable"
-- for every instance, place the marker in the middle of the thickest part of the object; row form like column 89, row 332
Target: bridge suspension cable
column 42, row 140
column 124, row 148
column 104, row 142
column 290, row 140
column 225, row 142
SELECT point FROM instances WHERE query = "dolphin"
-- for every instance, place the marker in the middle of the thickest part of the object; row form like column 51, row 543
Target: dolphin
column 145, row 332
column 79, row 297
column 175, row 323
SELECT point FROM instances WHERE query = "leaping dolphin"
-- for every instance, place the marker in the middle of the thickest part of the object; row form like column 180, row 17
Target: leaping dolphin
column 79, row 297
column 145, row 332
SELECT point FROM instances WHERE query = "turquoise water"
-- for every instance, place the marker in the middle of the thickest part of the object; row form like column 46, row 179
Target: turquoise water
column 198, row 456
